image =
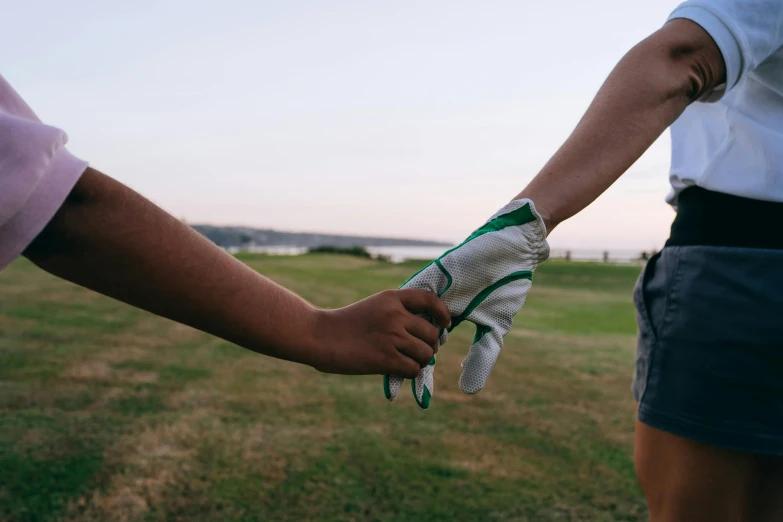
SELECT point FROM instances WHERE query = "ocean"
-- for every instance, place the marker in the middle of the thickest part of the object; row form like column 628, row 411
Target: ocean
column 398, row 254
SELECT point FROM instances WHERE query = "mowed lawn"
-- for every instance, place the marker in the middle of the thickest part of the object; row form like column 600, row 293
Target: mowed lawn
column 108, row 413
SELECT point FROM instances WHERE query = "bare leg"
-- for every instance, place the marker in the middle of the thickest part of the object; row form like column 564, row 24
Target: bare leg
column 765, row 499
column 687, row 481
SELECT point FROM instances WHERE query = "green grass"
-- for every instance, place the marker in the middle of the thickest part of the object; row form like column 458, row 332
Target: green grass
column 108, row 413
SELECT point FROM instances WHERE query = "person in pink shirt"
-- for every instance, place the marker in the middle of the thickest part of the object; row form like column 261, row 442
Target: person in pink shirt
column 85, row 227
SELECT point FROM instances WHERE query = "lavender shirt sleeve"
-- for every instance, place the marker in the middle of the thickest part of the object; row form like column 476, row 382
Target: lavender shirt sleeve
column 36, row 173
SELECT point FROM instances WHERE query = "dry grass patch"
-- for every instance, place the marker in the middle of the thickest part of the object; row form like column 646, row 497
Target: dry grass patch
column 92, row 370
column 477, row 453
column 114, row 352
column 98, row 370
column 193, row 398
column 175, row 465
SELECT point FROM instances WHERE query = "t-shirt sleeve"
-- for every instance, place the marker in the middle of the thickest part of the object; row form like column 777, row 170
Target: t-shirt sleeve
column 36, row 173
column 747, row 32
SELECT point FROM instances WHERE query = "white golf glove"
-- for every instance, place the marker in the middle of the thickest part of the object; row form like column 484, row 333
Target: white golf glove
column 484, row 280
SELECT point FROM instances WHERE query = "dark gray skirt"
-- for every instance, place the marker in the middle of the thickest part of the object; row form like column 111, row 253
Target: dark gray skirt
column 709, row 363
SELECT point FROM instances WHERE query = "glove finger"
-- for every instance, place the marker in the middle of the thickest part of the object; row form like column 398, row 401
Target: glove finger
column 481, row 358
column 391, row 386
column 497, row 309
column 423, row 386
column 444, row 336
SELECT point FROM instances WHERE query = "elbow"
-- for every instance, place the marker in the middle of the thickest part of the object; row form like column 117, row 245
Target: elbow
column 690, row 62
column 696, row 74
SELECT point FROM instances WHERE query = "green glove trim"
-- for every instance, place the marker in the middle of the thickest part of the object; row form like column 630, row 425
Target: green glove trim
column 514, row 218
column 516, row 276
column 449, row 279
column 481, row 331
column 425, row 396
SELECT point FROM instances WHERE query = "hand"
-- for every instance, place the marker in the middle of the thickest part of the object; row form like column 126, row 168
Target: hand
column 380, row 334
column 483, row 280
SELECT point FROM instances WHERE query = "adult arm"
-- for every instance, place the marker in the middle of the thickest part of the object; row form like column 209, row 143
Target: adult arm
column 645, row 93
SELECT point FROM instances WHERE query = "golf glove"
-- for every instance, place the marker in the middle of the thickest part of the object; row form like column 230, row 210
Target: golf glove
column 484, row 280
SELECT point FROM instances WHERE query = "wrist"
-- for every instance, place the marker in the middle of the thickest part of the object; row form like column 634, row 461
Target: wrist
column 542, row 212
column 303, row 341
column 319, row 338
column 546, row 218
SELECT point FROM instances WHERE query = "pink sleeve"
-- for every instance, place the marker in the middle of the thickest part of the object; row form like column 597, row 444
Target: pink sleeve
column 36, row 173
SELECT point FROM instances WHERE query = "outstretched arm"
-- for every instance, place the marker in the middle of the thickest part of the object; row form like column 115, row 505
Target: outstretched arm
column 110, row 239
column 650, row 87
column 645, row 93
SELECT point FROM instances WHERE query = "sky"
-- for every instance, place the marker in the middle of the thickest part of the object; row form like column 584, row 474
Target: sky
column 407, row 119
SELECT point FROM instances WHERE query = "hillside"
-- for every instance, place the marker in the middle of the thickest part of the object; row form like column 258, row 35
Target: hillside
column 228, row 237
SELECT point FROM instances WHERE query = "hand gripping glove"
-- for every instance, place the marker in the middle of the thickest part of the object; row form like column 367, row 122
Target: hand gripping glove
column 484, row 280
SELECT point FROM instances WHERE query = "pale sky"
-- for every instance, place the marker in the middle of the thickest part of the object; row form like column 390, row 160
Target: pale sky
column 407, row 118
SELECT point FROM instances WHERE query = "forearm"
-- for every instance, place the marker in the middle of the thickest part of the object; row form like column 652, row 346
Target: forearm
column 645, row 93
column 110, row 239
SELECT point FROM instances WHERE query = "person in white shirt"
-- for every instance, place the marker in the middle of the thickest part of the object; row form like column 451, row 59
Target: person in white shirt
column 709, row 369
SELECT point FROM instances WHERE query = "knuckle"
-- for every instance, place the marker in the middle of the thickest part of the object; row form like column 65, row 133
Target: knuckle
column 425, row 355
column 394, row 311
column 400, row 336
column 421, row 293
column 388, row 294
column 401, row 316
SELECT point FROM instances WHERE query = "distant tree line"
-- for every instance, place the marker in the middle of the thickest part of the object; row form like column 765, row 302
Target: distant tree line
column 356, row 251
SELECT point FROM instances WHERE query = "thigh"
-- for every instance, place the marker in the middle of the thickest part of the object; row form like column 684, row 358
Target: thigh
column 765, row 497
column 688, row 481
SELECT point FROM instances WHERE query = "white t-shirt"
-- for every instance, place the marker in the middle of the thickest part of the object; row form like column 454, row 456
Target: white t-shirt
column 732, row 141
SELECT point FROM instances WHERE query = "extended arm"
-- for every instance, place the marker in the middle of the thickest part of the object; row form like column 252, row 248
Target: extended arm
column 645, row 93
column 110, row 239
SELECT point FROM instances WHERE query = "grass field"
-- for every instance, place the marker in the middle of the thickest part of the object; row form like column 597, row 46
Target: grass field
column 108, row 413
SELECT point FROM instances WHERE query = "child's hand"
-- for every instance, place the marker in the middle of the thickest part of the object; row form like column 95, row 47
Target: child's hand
column 381, row 334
